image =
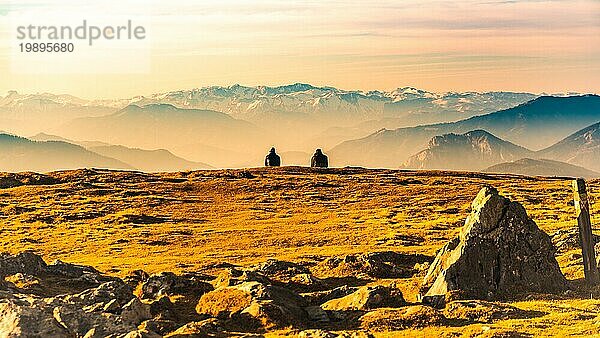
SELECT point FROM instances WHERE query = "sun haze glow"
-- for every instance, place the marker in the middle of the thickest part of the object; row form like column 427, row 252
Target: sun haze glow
column 536, row 46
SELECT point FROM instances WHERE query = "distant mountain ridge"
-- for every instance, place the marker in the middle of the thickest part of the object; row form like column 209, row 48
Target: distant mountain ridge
column 21, row 154
column 580, row 148
column 149, row 160
column 541, row 167
column 163, row 126
column 141, row 159
column 297, row 116
column 534, row 125
column 329, row 104
column 285, row 104
column 475, row 150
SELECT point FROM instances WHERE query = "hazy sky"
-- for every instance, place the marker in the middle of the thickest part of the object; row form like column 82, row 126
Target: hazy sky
column 534, row 45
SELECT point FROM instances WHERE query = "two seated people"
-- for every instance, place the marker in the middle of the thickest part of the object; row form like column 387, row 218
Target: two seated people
column 318, row 160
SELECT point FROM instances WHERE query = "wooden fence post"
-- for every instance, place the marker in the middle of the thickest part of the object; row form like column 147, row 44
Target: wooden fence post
column 586, row 239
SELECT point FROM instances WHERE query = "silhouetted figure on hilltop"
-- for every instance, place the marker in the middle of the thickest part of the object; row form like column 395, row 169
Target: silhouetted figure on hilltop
column 319, row 160
column 272, row 159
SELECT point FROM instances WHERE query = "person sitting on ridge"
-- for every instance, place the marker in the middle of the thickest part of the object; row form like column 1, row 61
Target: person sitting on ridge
column 272, row 159
column 319, row 160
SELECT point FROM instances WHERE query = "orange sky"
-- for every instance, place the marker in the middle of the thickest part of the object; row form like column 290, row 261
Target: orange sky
column 536, row 46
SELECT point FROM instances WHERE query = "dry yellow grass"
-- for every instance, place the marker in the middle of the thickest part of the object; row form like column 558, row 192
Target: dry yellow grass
column 118, row 222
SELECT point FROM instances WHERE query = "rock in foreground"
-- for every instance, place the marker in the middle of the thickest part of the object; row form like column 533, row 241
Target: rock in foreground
column 500, row 253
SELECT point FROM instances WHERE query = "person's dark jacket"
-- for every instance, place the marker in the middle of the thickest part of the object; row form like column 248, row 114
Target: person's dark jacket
column 319, row 160
column 272, row 160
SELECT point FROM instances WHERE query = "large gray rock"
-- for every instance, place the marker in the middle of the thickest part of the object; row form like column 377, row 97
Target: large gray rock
column 500, row 253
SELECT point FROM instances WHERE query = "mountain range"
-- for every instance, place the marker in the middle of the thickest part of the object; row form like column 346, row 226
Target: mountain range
column 332, row 106
column 475, row 150
column 581, row 148
column 235, row 126
column 297, row 116
column 44, row 152
column 535, row 125
column 21, row 154
column 165, row 126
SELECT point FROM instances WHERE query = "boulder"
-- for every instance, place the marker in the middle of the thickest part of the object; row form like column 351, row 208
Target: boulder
column 386, row 264
column 163, row 309
column 135, row 312
column 320, row 297
column 27, row 283
column 20, row 319
column 233, row 276
column 416, row 316
column 81, row 323
column 25, row 262
column 141, row 333
column 109, row 310
column 51, row 279
column 105, row 293
column 500, row 253
column 307, row 282
column 168, row 284
column 280, row 271
column 159, row 326
column 287, row 274
column 367, row 298
column 254, row 306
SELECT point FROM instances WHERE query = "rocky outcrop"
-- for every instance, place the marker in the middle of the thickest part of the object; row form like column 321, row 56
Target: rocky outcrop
column 367, row 298
column 69, row 300
column 500, row 253
column 169, row 284
column 254, row 305
column 32, row 275
column 386, row 264
column 97, row 312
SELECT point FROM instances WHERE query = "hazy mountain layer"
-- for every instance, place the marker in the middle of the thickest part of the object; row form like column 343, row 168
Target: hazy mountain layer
column 140, row 159
column 20, row 154
column 542, row 167
column 298, row 116
column 472, row 151
column 166, row 127
column 32, row 113
column 535, row 124
column 149, row 160
column 581, row 148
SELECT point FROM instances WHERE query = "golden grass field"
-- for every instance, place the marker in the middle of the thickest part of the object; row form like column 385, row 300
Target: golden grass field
column 191, row 221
